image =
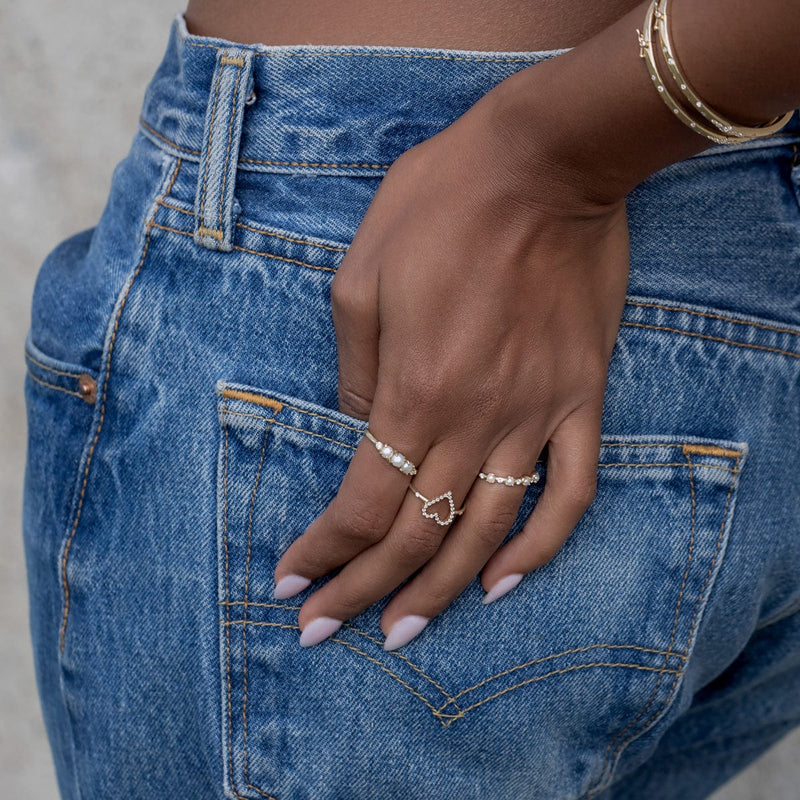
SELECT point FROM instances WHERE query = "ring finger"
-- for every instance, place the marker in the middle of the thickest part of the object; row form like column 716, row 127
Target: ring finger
column 410, row 542
column 490, row 511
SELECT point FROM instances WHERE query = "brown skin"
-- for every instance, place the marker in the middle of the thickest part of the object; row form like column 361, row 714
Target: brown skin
column 466, row 368
column 466, row 24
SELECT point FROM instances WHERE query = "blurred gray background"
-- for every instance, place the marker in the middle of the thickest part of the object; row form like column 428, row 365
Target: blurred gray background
column 72, row 77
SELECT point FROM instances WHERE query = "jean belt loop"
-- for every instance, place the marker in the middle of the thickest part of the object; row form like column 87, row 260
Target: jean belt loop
column 214, row 201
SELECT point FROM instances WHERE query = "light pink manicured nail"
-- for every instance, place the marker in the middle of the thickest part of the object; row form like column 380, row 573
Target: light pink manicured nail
column 290, row 585
column 404, row 630
column 319, row 629
column 502, row 586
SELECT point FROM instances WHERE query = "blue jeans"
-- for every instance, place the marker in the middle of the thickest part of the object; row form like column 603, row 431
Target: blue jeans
column 183, row 430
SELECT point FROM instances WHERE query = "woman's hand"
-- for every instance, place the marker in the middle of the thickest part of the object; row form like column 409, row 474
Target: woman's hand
column 475, row 313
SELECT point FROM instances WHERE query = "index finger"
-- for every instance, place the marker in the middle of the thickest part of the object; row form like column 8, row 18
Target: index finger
column 361, row 513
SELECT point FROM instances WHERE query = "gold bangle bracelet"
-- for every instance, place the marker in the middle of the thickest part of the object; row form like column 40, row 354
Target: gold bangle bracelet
column 646, row 52
column 725, row 126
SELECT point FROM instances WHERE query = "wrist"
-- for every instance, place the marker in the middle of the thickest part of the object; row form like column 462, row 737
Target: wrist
column 594, row 116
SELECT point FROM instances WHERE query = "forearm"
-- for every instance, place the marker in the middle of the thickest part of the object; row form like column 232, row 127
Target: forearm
column 596, row 111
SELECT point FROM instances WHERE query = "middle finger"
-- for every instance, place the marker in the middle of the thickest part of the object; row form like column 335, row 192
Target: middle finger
column 411, row 541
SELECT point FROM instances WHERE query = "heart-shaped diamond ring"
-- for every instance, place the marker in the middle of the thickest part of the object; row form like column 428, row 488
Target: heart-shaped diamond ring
column 434, row 515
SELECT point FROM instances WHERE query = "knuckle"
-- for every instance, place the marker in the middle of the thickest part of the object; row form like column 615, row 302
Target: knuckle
column 351, row 598
column 438, row 596
column 419, row 398
column 580, row 493
column 416, row 545
column 492, row 529
column 348, row 292
column 353, row 403
column 358, row 523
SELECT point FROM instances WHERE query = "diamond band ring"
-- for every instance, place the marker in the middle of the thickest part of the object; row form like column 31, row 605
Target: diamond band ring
column 510, row 480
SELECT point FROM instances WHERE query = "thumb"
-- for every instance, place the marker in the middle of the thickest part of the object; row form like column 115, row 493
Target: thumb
column 354, row 307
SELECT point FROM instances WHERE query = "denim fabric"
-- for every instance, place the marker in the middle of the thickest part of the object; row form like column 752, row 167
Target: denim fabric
column 183, row 430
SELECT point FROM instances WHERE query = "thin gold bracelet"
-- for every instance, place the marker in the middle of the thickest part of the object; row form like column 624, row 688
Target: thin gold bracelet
column 646, row 52
column 725, row 126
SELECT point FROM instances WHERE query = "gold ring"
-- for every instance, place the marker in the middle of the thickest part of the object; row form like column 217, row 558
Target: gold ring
column 427, row 503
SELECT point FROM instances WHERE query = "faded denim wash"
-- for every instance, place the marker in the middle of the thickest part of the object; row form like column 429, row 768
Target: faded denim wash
column 183, row 430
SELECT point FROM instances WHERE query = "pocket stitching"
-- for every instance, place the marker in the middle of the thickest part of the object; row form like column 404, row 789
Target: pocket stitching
column 687, row 449
column 265, row 437
column 76, row 374
column 53, row 386
column 607, row 760
column 750, row 345
column 291, row 427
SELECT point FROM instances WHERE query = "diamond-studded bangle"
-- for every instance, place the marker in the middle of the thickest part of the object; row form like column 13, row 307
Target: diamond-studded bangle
column 510, row 480
column 725, row 126
column 725, row 131
column 646, row 52
column 394, row 457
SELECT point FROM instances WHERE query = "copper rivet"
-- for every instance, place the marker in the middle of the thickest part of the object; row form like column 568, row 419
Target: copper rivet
column 87, row 387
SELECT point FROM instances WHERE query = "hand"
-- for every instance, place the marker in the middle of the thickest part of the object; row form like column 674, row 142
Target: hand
column 475, row 313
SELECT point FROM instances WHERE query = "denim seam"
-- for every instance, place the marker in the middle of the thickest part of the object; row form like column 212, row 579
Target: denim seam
column 431, row 680
column 583, row 649
column 76, row 374
column 106, row 378
column 254, row 252
column 247, row 585
column 227, row 611
column 438, row 712
column 609, row 761
column 305, row 242
column 150, row 129
column 695, row 334
column 713, row 338
column 356, row 165
column 53, row 386
column 262, row 231
column 713, row 316
column 360, row 632
column 453, row 717
column 234, row 394
column 227, row 412
column 331, row 165
column 274, row 162
column 693, row 446
column 237, row 395
column 291, row 427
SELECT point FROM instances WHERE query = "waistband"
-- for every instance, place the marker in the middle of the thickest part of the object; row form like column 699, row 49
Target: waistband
column 348, row 110
column 344, row 109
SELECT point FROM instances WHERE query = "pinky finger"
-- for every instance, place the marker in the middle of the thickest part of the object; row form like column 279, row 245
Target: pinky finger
column 573, row 452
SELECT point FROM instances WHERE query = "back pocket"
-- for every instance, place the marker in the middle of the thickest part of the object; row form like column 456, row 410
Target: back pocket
column 533, row 696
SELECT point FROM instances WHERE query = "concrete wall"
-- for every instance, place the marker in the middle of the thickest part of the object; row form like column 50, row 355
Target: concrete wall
column 71, row 82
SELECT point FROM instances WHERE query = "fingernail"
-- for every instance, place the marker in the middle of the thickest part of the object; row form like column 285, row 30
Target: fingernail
column 502, row 586
column 404, row 630
column 290, row 585
column 319, row 629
